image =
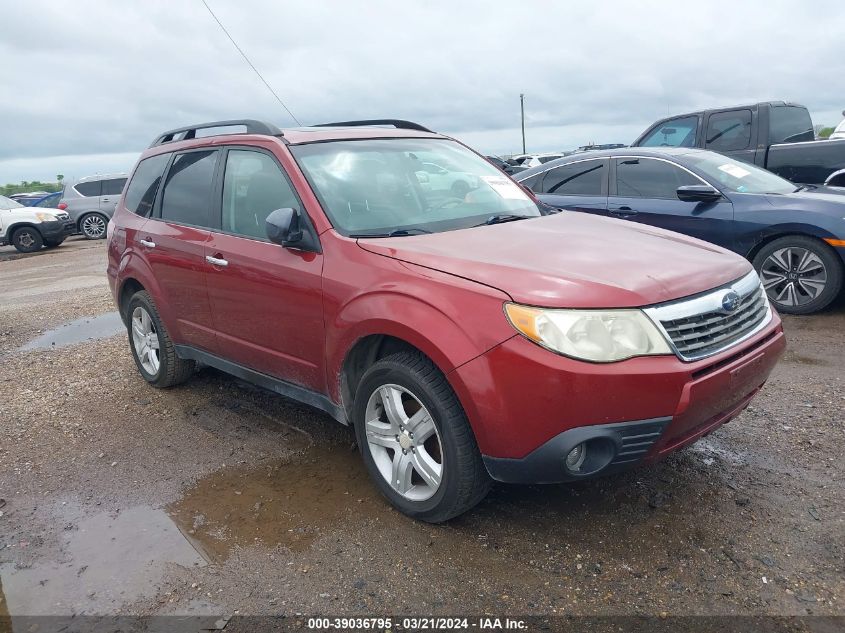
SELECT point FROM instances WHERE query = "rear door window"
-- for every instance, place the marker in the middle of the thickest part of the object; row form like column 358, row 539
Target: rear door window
column 89, row 189
column 582, row 178
column 141, row 193
column 727, row 131
column 113, row 186
column 649, row 178
column 673, row 133
column 186, row 197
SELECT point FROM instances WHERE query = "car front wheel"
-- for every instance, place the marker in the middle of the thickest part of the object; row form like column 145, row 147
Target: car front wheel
column 801, row 274
column 27, row 239
column 93, row 226
column 416, row 441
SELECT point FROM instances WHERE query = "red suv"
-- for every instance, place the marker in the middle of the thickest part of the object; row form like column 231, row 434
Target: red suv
column 395, row 279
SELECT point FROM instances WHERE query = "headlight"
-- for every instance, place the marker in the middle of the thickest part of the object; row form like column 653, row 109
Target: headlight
column 46, row 217
column 601, row 336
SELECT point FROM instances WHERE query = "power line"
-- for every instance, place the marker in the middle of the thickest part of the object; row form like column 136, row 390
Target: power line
column 251, row 65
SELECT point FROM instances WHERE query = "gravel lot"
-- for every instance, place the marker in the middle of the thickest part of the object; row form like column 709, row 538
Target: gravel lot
column 215, row 497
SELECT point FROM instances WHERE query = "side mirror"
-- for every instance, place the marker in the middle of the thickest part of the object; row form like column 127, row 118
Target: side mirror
column 698, row 193
column 283, row 226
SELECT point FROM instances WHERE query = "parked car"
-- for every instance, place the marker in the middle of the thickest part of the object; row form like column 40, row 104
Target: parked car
column 27, row 199
column 777, row 136
column 435, row 177
column 50, row 201
column 91, row 202
column 29, row 229
column 839, row 132
column 595, row 148
column 504, row 165
column 795, row 236
column 535, row 160
column 464, row 338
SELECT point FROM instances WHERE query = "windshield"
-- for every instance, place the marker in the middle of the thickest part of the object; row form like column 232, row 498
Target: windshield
column 379, row 186
column 739, row 177
column 8, row 203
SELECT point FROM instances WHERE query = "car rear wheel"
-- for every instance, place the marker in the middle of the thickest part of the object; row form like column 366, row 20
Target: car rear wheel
column 153, row 351
column 93, row 226
column 27, row 239
column 801, row 274
column 416, row 441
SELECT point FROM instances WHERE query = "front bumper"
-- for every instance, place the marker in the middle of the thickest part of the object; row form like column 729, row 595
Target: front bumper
column 529, row 407
column 59, row 229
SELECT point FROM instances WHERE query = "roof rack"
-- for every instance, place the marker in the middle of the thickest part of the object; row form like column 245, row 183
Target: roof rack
column 184, row 133
column 397, row 123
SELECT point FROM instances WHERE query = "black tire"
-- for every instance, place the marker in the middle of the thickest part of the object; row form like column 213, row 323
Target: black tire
column 27, row 239
column 460, row 189
column 93, row 226
column 464, row 481
column 172, row 370
column 53, row 243
column 804, row 303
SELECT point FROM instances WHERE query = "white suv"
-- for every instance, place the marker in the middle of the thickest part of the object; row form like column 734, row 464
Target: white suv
column 30, row 228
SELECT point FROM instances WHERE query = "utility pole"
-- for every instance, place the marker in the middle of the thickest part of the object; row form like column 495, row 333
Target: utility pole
column 522, row 113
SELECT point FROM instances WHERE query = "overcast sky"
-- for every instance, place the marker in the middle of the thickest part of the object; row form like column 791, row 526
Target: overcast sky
column 86, row 85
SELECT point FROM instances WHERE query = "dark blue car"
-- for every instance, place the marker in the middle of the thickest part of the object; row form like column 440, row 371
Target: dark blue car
column 795, row 236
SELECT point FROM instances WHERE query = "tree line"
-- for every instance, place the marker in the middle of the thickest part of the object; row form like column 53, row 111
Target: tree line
column 25, row 186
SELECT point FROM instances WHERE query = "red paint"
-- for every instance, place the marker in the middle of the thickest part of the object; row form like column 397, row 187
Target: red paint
column 296, row 315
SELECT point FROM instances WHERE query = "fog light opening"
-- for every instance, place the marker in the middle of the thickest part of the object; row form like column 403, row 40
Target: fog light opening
column 575, row 458
column 590, row 457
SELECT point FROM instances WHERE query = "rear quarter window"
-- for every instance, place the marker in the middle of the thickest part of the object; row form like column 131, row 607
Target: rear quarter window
column 89, row 189
column 790, row 124
column 141, row 192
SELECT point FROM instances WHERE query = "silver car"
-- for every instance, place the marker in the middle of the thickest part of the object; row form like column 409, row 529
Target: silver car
column 91, row 202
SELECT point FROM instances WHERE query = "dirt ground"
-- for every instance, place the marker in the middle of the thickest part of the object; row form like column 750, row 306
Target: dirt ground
column 218, row 498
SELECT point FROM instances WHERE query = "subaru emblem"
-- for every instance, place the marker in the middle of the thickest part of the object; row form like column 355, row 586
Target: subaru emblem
column 730, row 301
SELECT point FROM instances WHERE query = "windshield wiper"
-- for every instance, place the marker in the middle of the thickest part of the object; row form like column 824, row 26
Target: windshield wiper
column 500, row 218
column 394, row 233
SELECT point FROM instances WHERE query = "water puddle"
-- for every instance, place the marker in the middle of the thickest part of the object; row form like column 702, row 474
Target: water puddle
column 286, row 504
column 78, row 331
column 107, row 561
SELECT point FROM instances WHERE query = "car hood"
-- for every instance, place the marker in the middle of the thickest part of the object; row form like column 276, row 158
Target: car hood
column 572, row 260
column 824, row 200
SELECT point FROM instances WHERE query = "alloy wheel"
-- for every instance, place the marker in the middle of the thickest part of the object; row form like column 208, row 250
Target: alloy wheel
column 793, row 276
column 26, row 239
column 404, row 442
column 94, row 226
column 145, row 340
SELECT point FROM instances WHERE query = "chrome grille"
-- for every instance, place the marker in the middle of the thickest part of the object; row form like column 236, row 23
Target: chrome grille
column 700, row 326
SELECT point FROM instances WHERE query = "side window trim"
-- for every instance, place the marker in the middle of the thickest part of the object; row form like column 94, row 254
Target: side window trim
column 604, row 185
column 218, row 191
column 614, row 191
column 214, row 216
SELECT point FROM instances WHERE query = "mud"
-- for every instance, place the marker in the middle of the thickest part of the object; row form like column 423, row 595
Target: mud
column 78, row 331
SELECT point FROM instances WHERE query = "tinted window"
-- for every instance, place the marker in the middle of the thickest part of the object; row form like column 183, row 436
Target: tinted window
column 187, row 192
column 113, row 186
column 584, row 178
column 141, row 193
column 790, row 124
column 647, row 178
column 674, row 133
column 253, row 187
column 729, row 130
column 89, row 189
column 49, row 202
column 532, row 182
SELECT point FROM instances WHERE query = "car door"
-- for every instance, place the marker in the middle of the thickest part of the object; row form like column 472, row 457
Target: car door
column 173, row 241
column 730, row 133
column 645, row 190
column 580, row 185
column 110, row 194
column 266, row 300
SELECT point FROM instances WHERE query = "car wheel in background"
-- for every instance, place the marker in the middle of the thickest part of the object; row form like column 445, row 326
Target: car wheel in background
column 416, row 441
column 153, row 351
column 801, row 274
column 53, row 243
column 27, row 239
column 460, row 189
column 93, row 226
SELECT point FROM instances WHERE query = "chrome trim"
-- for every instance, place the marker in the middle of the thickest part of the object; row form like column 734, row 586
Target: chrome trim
column 707, row 303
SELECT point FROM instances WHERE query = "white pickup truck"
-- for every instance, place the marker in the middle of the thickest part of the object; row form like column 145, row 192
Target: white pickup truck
column 30, row 228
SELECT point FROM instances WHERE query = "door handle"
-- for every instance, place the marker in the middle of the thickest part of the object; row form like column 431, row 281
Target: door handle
column 147, row 243
column 623, row 211
column 216, row 261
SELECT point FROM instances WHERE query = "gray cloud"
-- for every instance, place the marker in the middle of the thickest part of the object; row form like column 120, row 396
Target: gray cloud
column 87, row 85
